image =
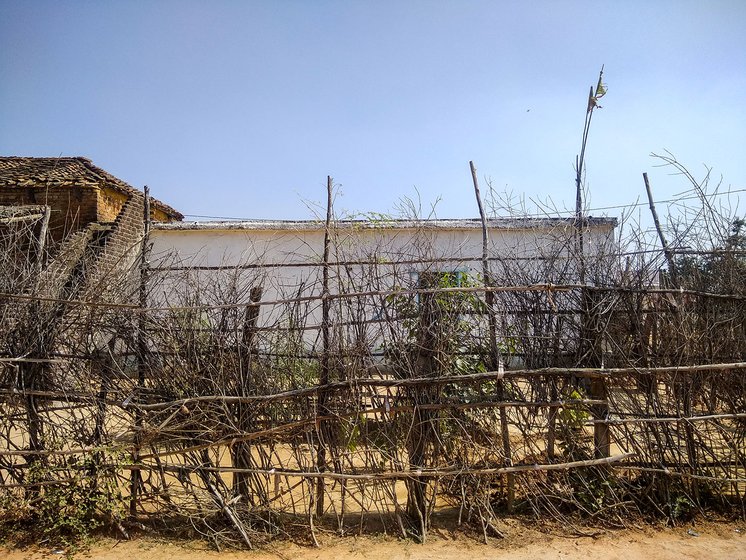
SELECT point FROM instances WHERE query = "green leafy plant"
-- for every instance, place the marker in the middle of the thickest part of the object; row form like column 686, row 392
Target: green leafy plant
column 66, row 512
column 571, row 419
column 453, row 321
column 680, row 507
column 573, row 416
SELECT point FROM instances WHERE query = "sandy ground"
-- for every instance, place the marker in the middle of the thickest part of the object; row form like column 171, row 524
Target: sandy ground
column 716, row 541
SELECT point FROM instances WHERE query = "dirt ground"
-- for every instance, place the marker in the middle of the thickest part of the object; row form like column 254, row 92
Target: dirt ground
column 716, row 541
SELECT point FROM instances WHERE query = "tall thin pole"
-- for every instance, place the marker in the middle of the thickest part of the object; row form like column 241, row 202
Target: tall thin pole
column 141, row 345
column 666, row 249
column 324, row 377
column 579, row 165
column 494, row 348
column 489, row 296
column 144, row 252
column 41, row 242
column 580, row 160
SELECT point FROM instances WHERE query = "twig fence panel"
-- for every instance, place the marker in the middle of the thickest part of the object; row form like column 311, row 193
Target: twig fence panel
column 358, row 394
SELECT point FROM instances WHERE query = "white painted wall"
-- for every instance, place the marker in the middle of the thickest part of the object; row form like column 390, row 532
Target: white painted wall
column 524, row 249
column 232, row 243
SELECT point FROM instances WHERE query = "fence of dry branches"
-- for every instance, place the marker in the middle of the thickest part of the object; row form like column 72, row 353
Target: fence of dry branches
column 342, row 392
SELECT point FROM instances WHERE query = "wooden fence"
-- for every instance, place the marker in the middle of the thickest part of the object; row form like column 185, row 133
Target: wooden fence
column 352, row 400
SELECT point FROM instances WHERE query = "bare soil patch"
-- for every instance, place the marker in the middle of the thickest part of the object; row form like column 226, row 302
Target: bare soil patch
column 716, row 541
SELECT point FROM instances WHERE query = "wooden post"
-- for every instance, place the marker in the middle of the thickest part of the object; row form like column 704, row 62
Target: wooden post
column 241, row 452
column 691, row 446
column 592, row 338
column 324, row 377
column 686, row 385
column 420, row 434
column 42, row 239
column 552, row 419
column 666, row 249
column 142, row 349
column 601, row 434
column 494, row 354
column 33, row 373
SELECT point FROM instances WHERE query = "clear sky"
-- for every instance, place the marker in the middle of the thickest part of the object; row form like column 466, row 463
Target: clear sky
column 241, row 109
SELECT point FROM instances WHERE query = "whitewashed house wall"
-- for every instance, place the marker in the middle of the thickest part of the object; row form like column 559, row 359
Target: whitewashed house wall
column 284, row 256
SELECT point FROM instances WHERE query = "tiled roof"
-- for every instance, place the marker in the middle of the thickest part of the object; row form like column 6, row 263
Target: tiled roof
column 66, row 172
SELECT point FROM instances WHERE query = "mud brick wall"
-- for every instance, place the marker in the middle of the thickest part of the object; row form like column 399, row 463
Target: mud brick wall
column 73, row 207
column 57, row 274
column 115, row 274
column 110, row 204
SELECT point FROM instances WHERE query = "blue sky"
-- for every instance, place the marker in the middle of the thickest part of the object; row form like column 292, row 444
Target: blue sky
column 243, row 108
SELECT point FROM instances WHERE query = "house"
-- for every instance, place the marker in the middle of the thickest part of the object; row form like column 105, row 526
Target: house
column 214, row 263
column 78, row 192
column 96, row 223
column 299, row 244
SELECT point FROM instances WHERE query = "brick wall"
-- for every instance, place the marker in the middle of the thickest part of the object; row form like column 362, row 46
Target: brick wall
column 56, row 275
column 109, row 253
column 110, row 204
column 159, row 215
column 115, row 274
column 73, row 208
column 98, row 263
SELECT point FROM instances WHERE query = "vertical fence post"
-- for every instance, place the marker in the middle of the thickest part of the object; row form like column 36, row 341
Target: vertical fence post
column 142, row 348
column 691, row 446
column 593, row 337
column 420, row 435
column 323, row 408
column 242, row 450
column 494, row 350
column 601, row 434
column 552, row 419
column 42, row 239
